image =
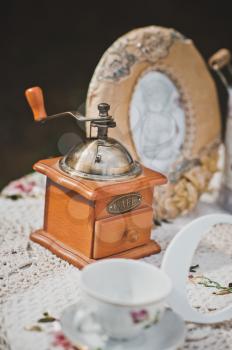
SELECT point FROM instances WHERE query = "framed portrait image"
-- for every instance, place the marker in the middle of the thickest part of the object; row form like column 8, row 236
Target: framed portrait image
column 165, row 104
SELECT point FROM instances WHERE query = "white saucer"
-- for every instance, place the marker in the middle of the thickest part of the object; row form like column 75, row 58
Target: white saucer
column 169, row 334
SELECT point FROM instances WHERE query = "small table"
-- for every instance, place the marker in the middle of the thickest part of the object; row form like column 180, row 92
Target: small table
column 34, row 281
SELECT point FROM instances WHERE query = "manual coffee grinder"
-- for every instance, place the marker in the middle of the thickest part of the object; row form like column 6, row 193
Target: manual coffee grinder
column 98, row 200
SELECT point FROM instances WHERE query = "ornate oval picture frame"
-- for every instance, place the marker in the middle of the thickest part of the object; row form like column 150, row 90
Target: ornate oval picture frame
column 166, row 108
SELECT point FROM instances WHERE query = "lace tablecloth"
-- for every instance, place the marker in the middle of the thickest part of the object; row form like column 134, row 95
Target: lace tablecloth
column 34, row 281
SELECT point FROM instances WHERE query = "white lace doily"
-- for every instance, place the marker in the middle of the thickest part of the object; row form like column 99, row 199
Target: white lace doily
column 33, row 280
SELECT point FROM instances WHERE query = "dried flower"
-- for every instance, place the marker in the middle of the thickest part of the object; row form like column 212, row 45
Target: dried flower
column 29, row 185
column 193, row 268
column 33, row 328
column 208, row 283
column 47, row 318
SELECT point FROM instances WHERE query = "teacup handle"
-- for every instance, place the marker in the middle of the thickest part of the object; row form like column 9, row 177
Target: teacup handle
column 85, row 320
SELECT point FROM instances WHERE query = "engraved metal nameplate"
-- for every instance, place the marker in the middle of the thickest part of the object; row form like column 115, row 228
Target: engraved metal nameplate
column 124, row 203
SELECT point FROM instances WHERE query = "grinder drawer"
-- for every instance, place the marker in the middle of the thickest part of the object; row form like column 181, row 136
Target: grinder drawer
column 122, row 232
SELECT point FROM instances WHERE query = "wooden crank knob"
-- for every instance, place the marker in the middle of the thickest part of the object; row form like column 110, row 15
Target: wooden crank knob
column 220, row 59
column 35, row 99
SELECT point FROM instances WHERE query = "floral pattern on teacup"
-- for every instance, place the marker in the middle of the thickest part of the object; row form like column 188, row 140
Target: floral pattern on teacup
column 139, row 316
column 143, row 315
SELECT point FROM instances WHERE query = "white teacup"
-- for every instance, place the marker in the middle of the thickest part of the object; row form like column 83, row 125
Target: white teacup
column 124, row 295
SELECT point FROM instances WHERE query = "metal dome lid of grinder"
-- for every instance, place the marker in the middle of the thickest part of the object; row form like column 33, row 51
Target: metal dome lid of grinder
column 99, row 158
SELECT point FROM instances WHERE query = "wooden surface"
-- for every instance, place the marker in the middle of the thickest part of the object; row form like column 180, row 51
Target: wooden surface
column 77, row 225
column 122, row 232
column 94, row 190
column 72, row 256
column 69, row 218
column 79, row 260
column 72, row 219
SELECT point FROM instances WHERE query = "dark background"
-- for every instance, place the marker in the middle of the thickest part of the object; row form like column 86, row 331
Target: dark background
column 57, row 45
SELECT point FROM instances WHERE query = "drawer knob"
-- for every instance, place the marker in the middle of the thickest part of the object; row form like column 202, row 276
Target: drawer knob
column 132, row 236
